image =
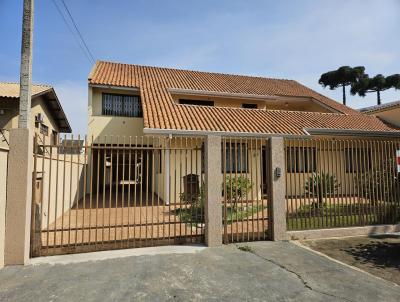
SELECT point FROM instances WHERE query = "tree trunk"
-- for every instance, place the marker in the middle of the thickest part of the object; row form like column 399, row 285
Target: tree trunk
column 344, row 94
column 378, row 92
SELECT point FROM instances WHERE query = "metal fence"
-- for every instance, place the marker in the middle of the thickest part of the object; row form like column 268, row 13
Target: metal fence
column 116, row 192
column 341, row 183
column 245, row 190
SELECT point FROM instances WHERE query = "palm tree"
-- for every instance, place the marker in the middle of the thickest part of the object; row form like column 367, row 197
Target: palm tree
column 343, row 76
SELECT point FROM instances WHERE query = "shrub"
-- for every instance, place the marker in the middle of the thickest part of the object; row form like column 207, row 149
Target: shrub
column 322, row 185
column 236, row 188
column 380, row 181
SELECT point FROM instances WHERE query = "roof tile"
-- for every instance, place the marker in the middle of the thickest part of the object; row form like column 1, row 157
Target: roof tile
column 160, row 111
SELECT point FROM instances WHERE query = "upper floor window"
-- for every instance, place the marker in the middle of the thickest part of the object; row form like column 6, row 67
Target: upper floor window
column 196, row 102
column 249, row 106
column 44, row 129
column 121, row 105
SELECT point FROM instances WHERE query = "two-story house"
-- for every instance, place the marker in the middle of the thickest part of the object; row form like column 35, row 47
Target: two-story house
column 126, row 101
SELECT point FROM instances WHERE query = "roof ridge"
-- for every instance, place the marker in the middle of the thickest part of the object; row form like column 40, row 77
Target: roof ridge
column 378, row 107
column 199, row 71
column 34, row 84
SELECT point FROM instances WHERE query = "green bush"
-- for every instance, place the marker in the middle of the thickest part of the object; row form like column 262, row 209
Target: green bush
column 382, row 181
column 322, row 185
column 236, row 188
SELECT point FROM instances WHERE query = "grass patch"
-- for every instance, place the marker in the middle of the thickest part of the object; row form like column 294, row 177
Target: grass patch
column 245, row 248
column 318, row 216
column 194, row 216
column 319, row 222
column 241, row 212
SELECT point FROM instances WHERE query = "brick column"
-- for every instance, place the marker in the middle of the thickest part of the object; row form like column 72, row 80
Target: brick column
column 277, row 221
column 213, row 206
column 19, row 197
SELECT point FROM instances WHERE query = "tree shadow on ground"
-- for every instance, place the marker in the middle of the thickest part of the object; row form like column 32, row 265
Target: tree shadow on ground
column 381, row 253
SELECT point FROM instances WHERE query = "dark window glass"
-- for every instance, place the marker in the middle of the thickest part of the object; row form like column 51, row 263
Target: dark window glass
column 357, row 160
column 44, row 129
column 196, row 102
column 301, row 160
column 235, row 158
column 249, row 106
column 121, row 105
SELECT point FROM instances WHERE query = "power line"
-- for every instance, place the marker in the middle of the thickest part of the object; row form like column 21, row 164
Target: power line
column 78, row 31
column 79, row 39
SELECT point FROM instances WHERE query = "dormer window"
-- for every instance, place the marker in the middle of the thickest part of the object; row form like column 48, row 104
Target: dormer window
column 249, row 106
column 196, row 102
column 121, row 105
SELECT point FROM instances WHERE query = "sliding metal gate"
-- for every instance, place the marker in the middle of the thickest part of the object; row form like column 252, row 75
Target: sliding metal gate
column 116, row 192
column 245, row 189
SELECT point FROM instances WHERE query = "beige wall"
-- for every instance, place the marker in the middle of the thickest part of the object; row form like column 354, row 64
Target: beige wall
column 189, row 162
column 390, row 116
column 100, row 126
column 291, row 104
column 62, row 186
column 10, row 119
column 3, row 190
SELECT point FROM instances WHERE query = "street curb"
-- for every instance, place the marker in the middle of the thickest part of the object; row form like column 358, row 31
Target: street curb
column 116, row 254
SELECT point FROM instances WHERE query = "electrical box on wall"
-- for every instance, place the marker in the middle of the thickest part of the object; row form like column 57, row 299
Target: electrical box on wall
column 39, row 118
column 278, row 172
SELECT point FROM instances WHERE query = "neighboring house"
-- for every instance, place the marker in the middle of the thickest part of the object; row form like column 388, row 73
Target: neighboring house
column 47, row 116
column 132, row 100
column 71, row 146
column 389, row 112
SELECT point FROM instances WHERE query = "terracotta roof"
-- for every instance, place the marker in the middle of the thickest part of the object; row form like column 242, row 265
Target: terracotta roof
column 11, row 90
column 382, row 107
column 160, row 112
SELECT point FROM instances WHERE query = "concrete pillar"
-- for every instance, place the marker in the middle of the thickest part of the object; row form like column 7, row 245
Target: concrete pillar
column 277, row 186
column 3, row 196
column 213, row 205
column 19, row 197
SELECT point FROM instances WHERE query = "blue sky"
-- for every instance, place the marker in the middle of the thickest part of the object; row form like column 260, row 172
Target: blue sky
column 284, row 39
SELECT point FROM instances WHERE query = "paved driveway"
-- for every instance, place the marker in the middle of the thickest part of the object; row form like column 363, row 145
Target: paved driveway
column 262, row 271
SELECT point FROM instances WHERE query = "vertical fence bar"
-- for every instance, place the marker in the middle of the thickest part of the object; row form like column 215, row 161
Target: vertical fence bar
column 151, row 192
column 48, row 195
column 129, row 191
column 63, row 192
column 56, row 194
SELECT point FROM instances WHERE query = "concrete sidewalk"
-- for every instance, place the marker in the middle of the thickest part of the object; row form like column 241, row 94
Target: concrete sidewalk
column 266, row 271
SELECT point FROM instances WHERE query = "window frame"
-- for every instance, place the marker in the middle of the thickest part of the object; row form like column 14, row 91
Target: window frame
column 305, row 165
column 359, row 154
column 234, row 168
column 249, row 106
column 135, row 98
column 190, row 102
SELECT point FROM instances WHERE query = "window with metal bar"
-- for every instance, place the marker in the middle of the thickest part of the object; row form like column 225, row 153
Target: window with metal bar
column 301, row 160
column 236, row 158
column 357, row 160
column 121, row 105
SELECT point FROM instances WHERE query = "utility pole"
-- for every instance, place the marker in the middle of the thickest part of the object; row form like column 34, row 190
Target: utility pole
column 26, row 66
column 20, row 157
